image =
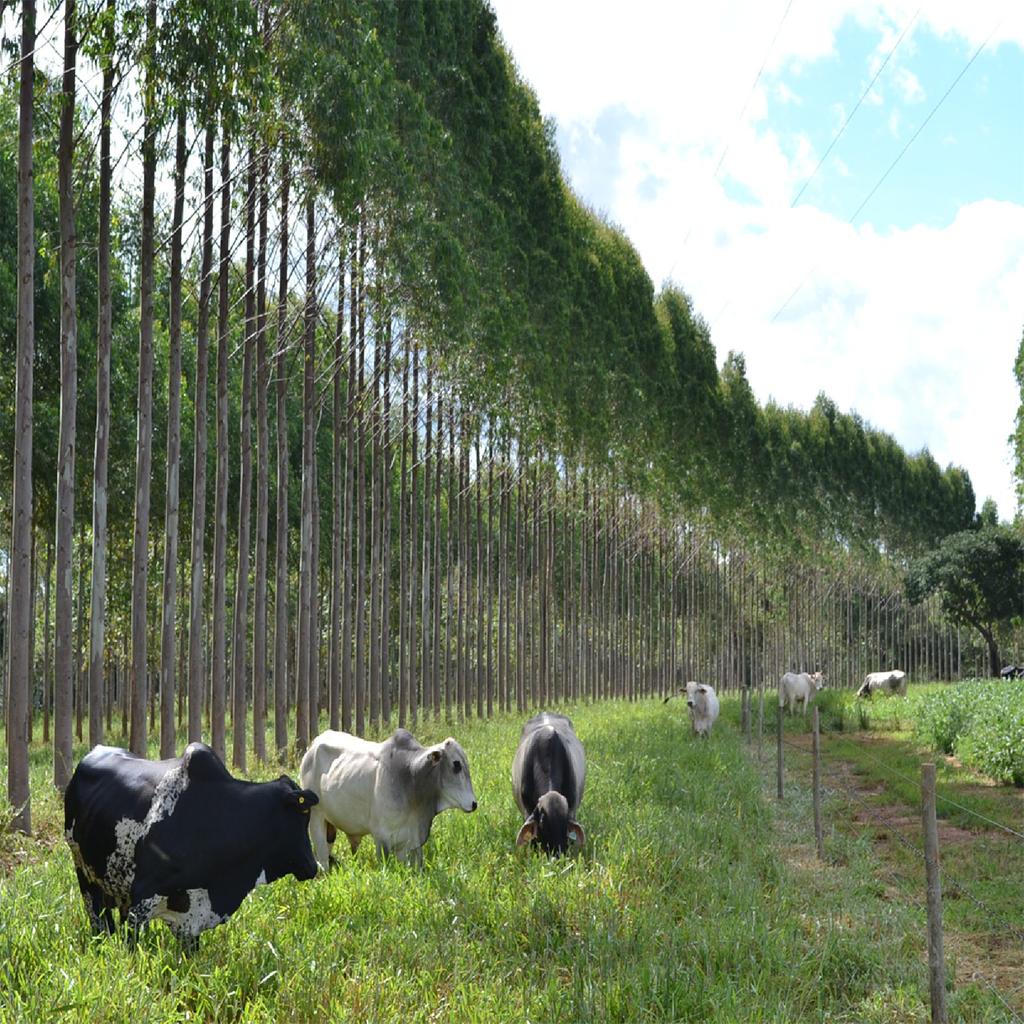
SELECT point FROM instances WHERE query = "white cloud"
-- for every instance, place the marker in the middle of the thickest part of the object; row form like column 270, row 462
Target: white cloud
column 908, row 85
column 916, row 330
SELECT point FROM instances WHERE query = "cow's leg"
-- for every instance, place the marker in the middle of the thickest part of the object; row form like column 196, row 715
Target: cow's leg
column 318, row 835
column 353, row 841
column 97, row 905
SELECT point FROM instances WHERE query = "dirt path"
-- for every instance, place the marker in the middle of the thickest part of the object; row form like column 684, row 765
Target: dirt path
column 991, row 958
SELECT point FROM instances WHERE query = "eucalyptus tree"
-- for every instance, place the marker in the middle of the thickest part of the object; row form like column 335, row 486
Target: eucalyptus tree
column 19, row 603
column 281, row 467
column 63, row 646
column 104, row 334
column 239, row 645
column 144, row 409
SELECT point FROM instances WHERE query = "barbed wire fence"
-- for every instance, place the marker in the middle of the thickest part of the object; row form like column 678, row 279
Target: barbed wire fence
column 925, row 887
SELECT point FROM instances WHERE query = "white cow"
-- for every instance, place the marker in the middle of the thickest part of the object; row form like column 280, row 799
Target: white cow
column 390, row 790
column 702, row 703
column 799, row 687
column 886, row 682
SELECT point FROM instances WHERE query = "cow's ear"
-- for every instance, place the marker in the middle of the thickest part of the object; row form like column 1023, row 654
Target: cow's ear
column 576, row 833
column 302, row 799
column 528, row 832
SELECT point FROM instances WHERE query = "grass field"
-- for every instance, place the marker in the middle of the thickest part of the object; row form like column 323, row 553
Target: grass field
column 695, row 899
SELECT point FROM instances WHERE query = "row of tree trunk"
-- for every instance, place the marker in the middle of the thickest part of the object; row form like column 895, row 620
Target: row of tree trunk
column 460, row 568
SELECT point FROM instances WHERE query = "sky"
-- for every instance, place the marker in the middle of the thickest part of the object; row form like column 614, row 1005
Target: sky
column 838, row 185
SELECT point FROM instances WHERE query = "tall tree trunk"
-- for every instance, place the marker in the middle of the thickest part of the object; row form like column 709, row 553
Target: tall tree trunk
column 196, row 659
column 144, row 441
column 239, row 642
column 347, row 606
column 360, row 495
column 385, row 473
column 218, row 696
column 63, row 646
column 19, row 609
column 78, row 676
column 259, row 624
column 167, row 647
column 337, row 512
column 414, row 678
column 435, row 642
column 306, row 569
column 478, row 674
column 450, row 691
column 314, row 601
column 375, row 517
column 281, row 513
column 425, row 674
column 405, row 590
column 47, row 647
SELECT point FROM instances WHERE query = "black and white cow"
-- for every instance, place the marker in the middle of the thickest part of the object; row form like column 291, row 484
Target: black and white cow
column 181, row 839
column 548, row 774
column 1011, row 672
column 391, row 790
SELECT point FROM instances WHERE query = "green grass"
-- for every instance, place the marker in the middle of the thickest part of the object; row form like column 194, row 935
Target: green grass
column 691, row 901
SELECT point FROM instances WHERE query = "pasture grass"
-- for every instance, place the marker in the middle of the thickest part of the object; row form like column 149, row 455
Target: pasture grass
column 872, row 775
column 693, row 899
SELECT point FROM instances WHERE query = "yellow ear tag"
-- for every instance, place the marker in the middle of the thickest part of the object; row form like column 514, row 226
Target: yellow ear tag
column 302, row 799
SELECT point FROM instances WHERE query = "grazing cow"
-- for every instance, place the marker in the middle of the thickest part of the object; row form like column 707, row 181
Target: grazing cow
column 885, row 682
column 390, row 790
column 1012, row 672
column 180, row 839
column 548, row 774
column 799, row 688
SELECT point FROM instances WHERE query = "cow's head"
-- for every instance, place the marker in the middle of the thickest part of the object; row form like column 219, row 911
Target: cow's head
column 696, row 694
column 819, row 680
column 865, row 688
column 550, row 826
column 292, row 853
column 456, row 787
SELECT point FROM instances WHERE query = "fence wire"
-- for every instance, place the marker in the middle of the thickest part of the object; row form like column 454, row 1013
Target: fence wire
column 911, row 889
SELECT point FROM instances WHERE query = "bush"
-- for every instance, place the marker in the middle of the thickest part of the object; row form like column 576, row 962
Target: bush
column 943, row 716
column 995, row 745
column 982, row 723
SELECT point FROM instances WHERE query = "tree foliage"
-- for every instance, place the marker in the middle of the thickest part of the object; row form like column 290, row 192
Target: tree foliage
column 979, row 577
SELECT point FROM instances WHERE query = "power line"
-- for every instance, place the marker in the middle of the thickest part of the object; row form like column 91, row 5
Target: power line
column 891, row 167
column 753, row 87
column 856, row 107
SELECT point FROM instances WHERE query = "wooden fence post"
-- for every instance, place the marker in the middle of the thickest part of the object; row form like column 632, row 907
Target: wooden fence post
column 936, row 957
column 816, row 742
column 779, row 753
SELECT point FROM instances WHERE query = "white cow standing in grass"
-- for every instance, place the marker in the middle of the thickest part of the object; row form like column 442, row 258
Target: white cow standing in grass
column 702, row 703
column 886, row 682
column 799, row 688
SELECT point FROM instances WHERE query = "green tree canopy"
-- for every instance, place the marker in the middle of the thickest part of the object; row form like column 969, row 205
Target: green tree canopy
column 979, row 577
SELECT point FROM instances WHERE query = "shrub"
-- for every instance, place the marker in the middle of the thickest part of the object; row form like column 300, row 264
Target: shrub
column 943, row 716
column 995, row 743
column 982, row 723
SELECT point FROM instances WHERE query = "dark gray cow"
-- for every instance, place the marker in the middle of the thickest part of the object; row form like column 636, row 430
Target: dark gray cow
column 548, row 773
column 180, row 839
column 391, row 790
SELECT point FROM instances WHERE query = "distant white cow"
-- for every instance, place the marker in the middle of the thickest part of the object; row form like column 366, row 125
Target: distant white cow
column 799, row 688
column 886, row 682
column 390, row 790
column 702, row 703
